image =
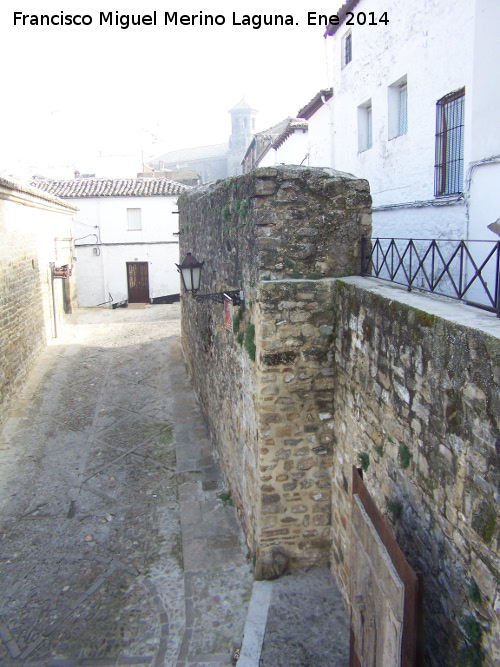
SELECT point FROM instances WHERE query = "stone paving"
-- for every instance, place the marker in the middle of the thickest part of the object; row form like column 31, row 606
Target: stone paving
column 115, row 546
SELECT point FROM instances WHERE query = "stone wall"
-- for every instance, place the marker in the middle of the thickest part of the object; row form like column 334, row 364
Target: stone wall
column 417, row 404
column 294, row 403
column 321, row 373
column 276, row 223
column 34, row 230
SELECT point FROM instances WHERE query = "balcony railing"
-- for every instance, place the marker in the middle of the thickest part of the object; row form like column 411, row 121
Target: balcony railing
column 468, row 271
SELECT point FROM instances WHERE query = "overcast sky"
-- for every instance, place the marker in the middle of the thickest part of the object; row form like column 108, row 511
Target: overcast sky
column 70, row 92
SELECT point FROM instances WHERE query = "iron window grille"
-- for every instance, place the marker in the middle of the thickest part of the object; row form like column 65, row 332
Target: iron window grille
column 449, row 163
column 347, row 51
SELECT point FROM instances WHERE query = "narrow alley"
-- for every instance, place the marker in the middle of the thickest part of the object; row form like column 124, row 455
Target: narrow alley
column 115, row 548
column 119, row 543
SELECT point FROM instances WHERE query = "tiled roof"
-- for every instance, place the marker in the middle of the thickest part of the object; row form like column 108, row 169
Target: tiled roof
column 316, row 103
column 346, row 7
column 111, row 187
column 8, row 184
column 293, row 124
column 262, row 141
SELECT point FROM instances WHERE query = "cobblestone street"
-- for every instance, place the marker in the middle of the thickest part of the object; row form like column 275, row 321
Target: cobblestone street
column 115, row 547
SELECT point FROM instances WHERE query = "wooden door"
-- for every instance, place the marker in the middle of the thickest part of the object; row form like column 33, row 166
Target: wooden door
column 138, row 282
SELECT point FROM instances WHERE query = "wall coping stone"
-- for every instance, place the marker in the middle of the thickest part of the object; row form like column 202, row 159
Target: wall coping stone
column 447, row 309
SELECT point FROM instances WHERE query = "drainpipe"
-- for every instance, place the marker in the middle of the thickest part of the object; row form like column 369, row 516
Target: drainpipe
column 52, row 264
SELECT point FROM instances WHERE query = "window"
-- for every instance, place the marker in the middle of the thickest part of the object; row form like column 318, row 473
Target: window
column 346, row 49
column 134, row 219
column 398, row 108
column 365, row 134
column 449, row 164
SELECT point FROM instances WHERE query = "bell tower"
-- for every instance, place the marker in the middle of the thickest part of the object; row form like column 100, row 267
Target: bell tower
column 242, row 131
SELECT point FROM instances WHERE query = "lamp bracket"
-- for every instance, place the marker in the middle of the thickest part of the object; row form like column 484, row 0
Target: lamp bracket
column 218, row 297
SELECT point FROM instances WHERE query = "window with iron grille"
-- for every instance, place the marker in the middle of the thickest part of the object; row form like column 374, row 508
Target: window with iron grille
column 346, row 49
column 449, row 164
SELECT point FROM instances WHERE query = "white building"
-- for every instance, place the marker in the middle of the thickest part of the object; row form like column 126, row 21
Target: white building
column 415, row 111
column 317, row 113
column 126, row 242
column 283, row 143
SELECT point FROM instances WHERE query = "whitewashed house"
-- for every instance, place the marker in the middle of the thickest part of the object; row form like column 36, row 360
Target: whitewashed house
column 317, row 113
column 414, row 110
column 126, row 242
column 283, row 143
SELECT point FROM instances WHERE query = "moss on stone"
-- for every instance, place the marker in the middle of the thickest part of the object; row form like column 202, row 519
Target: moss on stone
column 364, row 461
column 424, row 319
column 249, row 341
column 404, row 456
column 484, row 522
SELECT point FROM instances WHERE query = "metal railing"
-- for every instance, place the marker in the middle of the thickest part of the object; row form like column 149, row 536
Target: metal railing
column 468, row 271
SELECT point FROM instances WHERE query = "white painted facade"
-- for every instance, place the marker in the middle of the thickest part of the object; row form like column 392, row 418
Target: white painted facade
column 319, row 138
column 291, row 150
column 104, row 245
column 435, row 47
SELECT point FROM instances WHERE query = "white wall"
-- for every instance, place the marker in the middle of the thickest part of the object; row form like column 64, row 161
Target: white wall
column 484, row 200
column 431, row 43
column 294, row 150
column 320, row 138
column 101, row 223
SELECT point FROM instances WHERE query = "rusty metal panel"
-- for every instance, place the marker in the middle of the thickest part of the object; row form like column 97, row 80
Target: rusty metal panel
column 384, row 590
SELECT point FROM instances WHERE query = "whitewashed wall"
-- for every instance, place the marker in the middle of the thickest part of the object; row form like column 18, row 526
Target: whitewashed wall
column 319, row 138
column 292, row 151
column 432, row 43
column 484, row 189
column 102, row 223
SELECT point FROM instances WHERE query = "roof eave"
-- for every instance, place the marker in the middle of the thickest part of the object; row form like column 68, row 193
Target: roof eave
column 346, row 7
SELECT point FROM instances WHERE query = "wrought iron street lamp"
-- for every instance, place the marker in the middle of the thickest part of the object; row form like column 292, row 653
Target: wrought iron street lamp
column 190, row 271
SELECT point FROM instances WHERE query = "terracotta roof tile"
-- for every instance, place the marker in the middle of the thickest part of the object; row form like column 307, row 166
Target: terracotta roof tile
column 111, row 187
column 316, row 103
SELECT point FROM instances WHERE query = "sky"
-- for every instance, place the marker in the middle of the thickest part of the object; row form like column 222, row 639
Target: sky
column 71, row 93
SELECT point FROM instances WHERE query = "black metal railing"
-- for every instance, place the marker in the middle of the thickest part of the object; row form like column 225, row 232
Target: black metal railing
column 465, row 270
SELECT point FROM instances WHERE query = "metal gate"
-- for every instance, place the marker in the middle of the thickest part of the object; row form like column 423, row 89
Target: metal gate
column 138, row 282
column 386, row 594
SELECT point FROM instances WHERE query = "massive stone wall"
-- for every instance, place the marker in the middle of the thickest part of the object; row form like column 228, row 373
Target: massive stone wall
column 322, row 373
column 34, row 231
column 276, row 223
column 417, row 404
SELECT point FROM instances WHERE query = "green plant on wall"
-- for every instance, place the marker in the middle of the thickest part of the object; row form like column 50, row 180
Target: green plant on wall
column 379, row 450
column 249, row 340
column 236, row 321
column 364, row 461
column 474, row 592
column 470, row 653
column 404, row 456
column 245, row 207
column 226, row 213
column 395, row 509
